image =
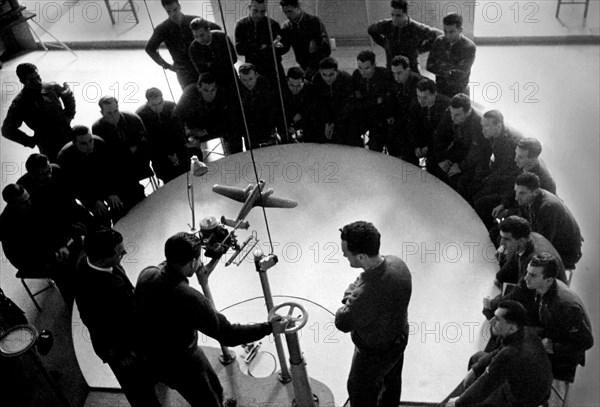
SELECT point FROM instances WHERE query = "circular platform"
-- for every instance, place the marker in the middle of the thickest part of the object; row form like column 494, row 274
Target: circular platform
column 420, row 219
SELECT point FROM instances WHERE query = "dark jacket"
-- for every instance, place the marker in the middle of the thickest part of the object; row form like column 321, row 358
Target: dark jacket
column 375, row 308
column 551, row 218
column 564, row 320
column 254, row 42
column 451, row 64
column 463, row 144
column 45, row 115
column 105, row 302
column 410, row 41
column 299, row 35
column 517, row 374
column 174, row 312
column 177, row 38
column 420, row 126
column 215, row 58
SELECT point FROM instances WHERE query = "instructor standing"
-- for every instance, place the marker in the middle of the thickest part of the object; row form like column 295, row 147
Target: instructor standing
column 375, row 314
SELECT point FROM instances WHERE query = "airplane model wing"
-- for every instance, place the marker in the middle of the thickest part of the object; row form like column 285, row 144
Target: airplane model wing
column 271, row 201
column 237, row 194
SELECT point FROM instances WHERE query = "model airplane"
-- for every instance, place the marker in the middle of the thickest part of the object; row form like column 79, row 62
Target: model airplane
column 252, row 196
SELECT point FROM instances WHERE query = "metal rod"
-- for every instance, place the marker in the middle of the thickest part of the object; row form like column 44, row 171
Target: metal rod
column 284, row 376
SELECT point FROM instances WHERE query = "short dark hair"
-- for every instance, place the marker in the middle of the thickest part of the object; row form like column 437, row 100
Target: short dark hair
column 206, row 77
column 182, row 248
column 107, row 100
column 461, row 101
column 100, row 243
column 12, row 192
column 427, row 84
column 246, row 68
column 532, row 145
column 495, row 116
column 548, row 262
column 453, row 19
column 515, row 312
column 153, row 93
column 79, row 130
column 168, row 2
column 517, row 226
column 293, row 3
column 36, row 161
column 528, row 180
column 362, row 237
column 400, row 4
column 400, row 60
column 200, row 23
column 328, row 63
column 366, row 55
column 295, row 72
column 24, row 70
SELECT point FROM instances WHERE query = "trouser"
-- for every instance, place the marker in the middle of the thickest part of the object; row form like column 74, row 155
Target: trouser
column 193, row 377
column 376, row 378
column 135, row 383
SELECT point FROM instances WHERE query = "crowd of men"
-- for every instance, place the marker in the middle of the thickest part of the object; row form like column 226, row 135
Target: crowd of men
column 85, row 178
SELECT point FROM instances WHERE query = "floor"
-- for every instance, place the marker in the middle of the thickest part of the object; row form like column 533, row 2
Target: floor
column 523, row 86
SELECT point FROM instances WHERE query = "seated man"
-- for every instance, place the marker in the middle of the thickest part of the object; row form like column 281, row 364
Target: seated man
column 372, row 87
column 164, row 298
column 549, row 217
column 176, row 34
column 517, row 374
column 527, row 158
column 488, row 191
column 256, row 41
column 125, row 135
column 332, row 93
column 451, row 58
column 51, row 193
column 400, row 35
column 207, row 113
column 100, row 181
column 306, row 34
column 424, row 116
column 459, row 147
column 46, row 108
column 298, row 102
column 261, row 110
column 37, row 245
column 209, row 53
column 404, row 92
column 99, row 276
column 565, row 327
column 519, row 245
column 165, row 135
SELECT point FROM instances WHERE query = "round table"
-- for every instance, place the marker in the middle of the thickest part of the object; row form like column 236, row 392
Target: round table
column 421, row 219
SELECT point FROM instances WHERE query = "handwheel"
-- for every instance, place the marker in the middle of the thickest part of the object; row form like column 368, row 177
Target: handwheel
column 299, row 322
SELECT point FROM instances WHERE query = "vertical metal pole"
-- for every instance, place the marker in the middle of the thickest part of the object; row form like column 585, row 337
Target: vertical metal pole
column 284, row 375
column 227, row 355
column 303, row 395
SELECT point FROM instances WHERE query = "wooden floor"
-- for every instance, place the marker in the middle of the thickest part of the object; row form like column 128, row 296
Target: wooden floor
column 550, row 92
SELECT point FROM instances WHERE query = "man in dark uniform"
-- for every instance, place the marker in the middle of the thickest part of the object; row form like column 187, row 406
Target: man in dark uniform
column 177, row 35
column 46, row 108
column 174, row 312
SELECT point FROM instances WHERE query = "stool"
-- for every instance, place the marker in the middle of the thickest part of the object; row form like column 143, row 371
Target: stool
column 561, row 2
column 22, row 275
column 131, row 9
